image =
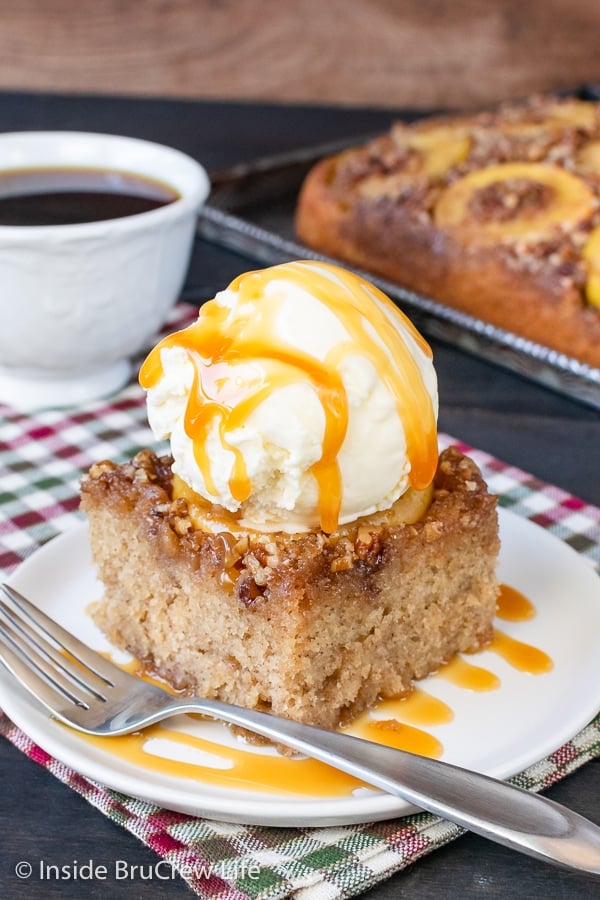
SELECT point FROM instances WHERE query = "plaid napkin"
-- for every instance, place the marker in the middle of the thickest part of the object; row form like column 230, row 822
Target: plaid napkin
column 42, row 457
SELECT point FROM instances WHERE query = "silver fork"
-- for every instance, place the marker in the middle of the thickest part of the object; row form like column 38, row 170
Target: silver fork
column 95, row 696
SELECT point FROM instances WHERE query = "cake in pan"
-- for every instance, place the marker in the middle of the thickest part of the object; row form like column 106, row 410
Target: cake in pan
column 495, row 214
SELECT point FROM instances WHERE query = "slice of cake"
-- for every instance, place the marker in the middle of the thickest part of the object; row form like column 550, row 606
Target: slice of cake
column 303, row 549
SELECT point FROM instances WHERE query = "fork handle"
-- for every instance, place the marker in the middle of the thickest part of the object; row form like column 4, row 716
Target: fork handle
column 495, row 809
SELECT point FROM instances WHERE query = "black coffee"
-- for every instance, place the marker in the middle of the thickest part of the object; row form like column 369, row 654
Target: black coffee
column 56, row 196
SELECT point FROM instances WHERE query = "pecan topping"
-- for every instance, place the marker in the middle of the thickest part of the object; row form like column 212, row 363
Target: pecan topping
column 505, row 201
column 369, row 547
column 248, row 591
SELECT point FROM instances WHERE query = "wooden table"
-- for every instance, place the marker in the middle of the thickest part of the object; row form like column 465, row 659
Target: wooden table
column 537, row 430
column 421, row 53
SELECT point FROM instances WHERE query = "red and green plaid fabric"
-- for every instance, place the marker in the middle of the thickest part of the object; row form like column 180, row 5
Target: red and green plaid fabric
column 42, row 457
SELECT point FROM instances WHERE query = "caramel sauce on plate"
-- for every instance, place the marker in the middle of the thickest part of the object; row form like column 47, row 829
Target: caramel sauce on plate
column 513, row 606
column 397, row 722
column 244, row 769
column 465, row 675
column 519, row 655
column 240, row 360
column 418, row 708
column 394, row 733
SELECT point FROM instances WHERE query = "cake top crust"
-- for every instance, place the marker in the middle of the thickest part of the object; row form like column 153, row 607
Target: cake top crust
column 250, row 560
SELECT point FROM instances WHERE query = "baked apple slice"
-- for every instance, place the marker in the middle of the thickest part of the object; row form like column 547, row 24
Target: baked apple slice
column 578, row 113
column 591, row 255
column 440, row 148
column 436, row 148
column 588, row 158
column 512, row 201
column 552, row 117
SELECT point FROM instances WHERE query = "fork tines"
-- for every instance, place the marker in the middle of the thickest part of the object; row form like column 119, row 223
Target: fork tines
column 33, row 646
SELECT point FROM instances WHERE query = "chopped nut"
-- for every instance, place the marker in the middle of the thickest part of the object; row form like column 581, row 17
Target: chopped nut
column 99, row 468
column 341, row 564
column 432, row 530
column 181, row 526
column 248, row 591
column 369, row 547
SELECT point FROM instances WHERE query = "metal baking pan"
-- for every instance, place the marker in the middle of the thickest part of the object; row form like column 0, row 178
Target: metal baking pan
column 251, row 209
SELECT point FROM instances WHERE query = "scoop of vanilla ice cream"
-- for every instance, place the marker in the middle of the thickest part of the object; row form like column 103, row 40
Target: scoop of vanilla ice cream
column 294, row 399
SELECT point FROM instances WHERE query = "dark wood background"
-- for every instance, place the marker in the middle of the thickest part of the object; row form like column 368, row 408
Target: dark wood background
column 419, row 53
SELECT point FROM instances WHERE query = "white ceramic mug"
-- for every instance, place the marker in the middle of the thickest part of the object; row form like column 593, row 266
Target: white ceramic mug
column 78, row 300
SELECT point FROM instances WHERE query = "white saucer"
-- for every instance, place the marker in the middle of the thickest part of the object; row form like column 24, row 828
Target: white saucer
column 28, row 391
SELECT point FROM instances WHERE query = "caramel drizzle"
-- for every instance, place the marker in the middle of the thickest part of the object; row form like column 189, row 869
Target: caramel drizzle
column 247, row 771
column 513, row 606
column 465, row 675
column 215, row 345
column 519, row 655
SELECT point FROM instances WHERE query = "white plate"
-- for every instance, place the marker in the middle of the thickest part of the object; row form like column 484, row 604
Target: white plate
column 499, row 732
